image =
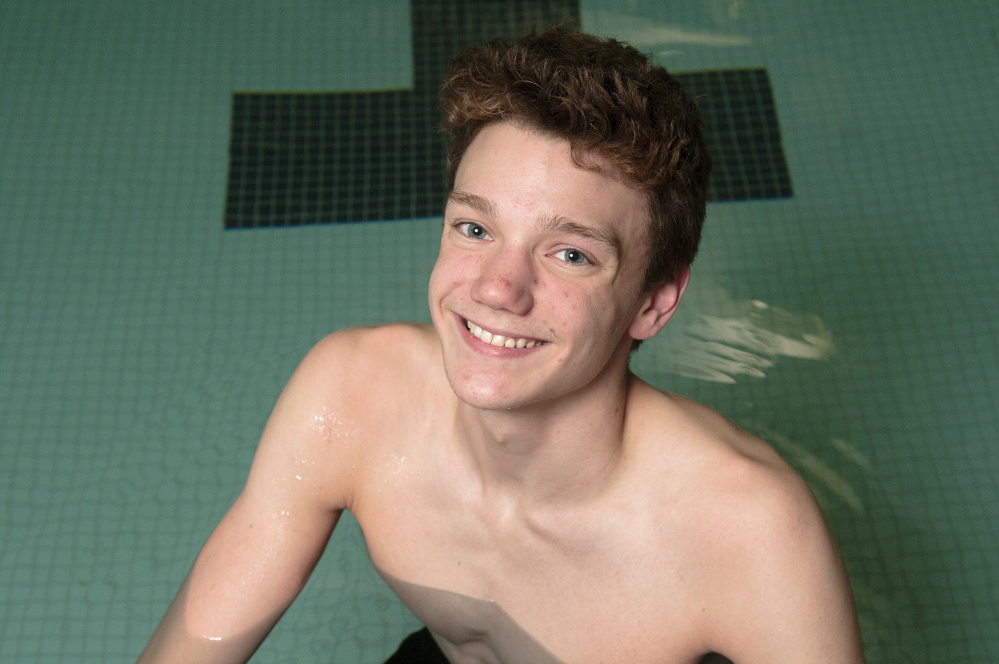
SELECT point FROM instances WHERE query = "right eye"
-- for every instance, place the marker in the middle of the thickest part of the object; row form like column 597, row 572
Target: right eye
column 472, row 230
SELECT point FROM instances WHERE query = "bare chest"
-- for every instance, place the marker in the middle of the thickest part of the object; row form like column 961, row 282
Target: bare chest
column 547, row 629
column 590, row 583
column 495, row 596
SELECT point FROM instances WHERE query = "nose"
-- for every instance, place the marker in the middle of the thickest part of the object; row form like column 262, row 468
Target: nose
column 505, row 281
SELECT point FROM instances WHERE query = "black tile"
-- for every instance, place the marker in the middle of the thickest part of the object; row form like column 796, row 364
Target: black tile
column 314, row 158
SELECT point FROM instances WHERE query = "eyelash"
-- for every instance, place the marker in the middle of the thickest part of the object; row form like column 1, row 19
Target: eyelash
column 464, row 227
column 585, row 259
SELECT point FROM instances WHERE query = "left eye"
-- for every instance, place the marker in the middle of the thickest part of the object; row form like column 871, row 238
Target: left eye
column 573, row 256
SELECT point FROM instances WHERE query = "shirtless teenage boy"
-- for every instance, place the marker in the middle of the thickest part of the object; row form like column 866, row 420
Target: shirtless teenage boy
column 529, row 498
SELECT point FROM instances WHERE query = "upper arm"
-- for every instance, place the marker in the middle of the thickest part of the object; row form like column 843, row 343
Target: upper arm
column 792, row 601
column 262, row 552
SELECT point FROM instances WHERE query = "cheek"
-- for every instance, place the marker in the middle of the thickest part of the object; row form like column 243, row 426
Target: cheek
column 448, row 272
column 579, row 315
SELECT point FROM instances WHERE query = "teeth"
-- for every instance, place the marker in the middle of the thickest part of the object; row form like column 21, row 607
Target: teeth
column 499, row 339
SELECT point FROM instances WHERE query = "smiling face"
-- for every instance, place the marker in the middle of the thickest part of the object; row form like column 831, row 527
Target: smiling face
column 536, row 293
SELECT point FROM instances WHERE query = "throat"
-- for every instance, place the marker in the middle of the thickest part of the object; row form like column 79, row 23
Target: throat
column 541, row 452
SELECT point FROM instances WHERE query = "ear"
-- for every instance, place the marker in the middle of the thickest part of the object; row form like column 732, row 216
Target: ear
column 658, row 307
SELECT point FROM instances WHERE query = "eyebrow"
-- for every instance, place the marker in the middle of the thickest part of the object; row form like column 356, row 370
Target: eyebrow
column 477, row 203
column 560, row 224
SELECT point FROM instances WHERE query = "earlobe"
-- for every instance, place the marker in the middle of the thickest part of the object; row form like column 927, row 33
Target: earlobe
column 658, row 307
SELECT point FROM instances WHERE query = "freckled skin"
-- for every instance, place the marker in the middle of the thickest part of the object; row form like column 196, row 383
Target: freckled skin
column 515, row 278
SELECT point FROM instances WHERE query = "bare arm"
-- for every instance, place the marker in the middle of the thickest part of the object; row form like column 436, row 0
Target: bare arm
column 261, row 554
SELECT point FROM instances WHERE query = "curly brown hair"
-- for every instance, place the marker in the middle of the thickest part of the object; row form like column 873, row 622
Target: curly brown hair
column 605, row 98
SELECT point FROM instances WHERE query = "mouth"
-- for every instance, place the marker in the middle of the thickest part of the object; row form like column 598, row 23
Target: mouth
column 500, row 340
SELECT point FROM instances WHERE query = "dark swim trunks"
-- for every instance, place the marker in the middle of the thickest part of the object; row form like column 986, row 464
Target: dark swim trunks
column 418, row 648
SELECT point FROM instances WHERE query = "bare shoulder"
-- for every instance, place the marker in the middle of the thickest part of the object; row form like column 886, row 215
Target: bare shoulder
column 703, row 445
column 346, row 365
column 761, row 555
column 332, row 413
column 379, row 348
column 362, row 379
column 736, row 480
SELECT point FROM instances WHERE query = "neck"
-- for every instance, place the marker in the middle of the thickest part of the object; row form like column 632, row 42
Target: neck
column 550, row 451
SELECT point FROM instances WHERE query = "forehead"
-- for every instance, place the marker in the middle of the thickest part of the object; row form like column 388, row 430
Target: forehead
column 511, row 170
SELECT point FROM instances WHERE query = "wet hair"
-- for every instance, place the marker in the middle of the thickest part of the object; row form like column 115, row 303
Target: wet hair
column 606, row 99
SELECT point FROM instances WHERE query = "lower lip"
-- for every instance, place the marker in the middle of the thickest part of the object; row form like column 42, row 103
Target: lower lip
column 480, row 346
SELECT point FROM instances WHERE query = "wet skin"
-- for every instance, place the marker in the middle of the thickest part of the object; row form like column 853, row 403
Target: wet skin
column 603, row 518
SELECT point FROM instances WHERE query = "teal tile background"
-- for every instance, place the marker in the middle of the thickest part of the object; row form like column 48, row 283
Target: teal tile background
column 141, row 347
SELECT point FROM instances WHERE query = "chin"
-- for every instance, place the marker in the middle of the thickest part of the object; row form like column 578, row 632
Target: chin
column 487, row 393
column 482, row 396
